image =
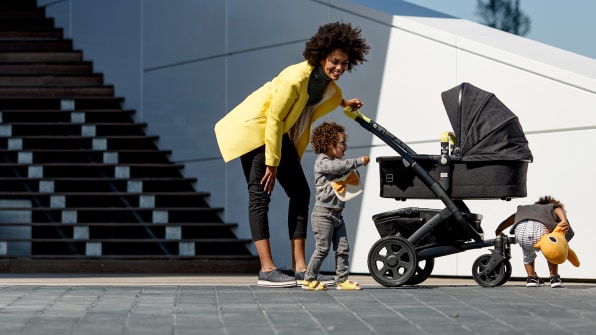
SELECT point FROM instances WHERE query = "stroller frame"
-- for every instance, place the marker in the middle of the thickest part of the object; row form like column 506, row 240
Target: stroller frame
column 402, row 258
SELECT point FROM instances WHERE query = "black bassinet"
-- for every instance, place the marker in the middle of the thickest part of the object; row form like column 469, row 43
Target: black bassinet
column 489, row 158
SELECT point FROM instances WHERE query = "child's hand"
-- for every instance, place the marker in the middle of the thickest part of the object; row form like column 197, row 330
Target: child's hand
column 365, row 160
column 564, row 226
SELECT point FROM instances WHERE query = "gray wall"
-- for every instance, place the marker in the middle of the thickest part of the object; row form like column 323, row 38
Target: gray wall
column 182, row 64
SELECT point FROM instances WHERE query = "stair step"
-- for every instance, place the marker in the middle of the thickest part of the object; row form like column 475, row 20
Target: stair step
column 74, row 129
column 62, row 92
column 51, row 80
column 129, row 234
column 206, row 247
column 49, row 115
column 101, row 225
column 138, row 264
column 110, row 199
column 92, row 170
column 36, row 45
column 104, row 231
column 80, row 103
column 120, row 214
column 30, row 34
column 169, row 196
column 26, row 24
column 22, row 13
column 136, row 240
column 37, row 57
column 35, row 156
column 19, row 183
column 56, row 69
column 17, row 4
column 107, row 143
column 145, row 248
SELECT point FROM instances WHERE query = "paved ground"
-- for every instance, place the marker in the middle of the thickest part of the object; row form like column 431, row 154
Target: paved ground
column 113, row 304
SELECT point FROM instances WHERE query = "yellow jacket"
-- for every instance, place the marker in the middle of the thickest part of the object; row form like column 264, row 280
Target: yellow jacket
column 271, row 111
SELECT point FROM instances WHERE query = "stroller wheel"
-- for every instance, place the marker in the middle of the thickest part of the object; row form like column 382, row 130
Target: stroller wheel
column 392, row 261
column 508, row 270
column 423, row 271
column 496, row 277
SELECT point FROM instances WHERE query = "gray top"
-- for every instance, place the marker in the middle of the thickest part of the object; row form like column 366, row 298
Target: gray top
column 543, row 213
column 326, row 170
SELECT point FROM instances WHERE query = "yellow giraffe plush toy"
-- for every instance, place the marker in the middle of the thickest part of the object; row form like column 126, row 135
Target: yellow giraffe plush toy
column 555, row 248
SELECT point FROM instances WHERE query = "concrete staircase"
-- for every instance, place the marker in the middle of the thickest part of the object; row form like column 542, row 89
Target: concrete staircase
column 83, row 188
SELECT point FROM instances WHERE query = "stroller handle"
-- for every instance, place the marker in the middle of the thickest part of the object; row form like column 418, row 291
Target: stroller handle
column 408, row 160
column 355, row 113
column 367, row 123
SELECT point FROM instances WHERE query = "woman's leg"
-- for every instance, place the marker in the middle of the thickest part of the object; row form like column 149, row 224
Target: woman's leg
column 298, row 246
column 291, row 178
column 253, row 165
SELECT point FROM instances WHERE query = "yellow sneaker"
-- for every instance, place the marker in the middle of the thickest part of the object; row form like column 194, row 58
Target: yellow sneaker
column 349, row 285
column 313, row 285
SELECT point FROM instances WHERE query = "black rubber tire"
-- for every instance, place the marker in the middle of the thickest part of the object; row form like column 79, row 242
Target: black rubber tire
column 508, row 271
column 392, row 261
column 423, row 271
column 498, row 276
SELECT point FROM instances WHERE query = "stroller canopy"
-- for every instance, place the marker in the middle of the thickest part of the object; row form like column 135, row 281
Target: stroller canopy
column 486, row 129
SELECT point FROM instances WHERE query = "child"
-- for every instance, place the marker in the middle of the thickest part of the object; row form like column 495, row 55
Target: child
column 530, row 223
column 329, row 142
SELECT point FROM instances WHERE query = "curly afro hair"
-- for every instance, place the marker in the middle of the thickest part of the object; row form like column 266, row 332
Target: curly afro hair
column 325, row 134
column 547, row 199
column 333, row 36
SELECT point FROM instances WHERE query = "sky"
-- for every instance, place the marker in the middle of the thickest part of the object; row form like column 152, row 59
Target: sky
column 564, row 24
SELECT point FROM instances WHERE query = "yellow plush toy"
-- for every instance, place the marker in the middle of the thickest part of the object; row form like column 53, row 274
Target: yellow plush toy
column 555, row 248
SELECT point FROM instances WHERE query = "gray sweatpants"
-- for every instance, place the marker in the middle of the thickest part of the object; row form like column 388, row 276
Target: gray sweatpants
column 329, row 229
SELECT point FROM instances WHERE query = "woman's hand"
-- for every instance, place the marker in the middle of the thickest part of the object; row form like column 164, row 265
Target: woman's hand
column 268, row 180
column 354, row 103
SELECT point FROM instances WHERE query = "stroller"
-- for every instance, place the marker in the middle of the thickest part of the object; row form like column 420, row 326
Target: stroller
column 486, row 158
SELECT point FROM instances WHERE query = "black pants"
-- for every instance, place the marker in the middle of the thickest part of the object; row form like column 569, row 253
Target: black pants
column 291, row 178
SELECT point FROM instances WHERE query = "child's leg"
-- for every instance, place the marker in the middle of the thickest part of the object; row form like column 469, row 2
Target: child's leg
column 530, row 269
column 527, row 233
column 341, row 246
column 555, row 279
column 322, row 228
column 553, row 268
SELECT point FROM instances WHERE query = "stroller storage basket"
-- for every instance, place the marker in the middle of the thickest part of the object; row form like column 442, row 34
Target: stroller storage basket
column 470, row 180
column 405, row 221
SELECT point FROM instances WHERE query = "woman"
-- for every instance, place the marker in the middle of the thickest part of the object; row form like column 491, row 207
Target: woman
column 270, row 130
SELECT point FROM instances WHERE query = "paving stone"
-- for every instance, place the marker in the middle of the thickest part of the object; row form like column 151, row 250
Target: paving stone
column 247, row 309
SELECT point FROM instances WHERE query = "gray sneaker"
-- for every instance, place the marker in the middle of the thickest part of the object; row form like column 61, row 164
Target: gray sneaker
column 324, row 279
column 275, row 278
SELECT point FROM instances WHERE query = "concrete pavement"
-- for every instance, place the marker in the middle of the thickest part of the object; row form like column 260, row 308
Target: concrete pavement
column 162, row 304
